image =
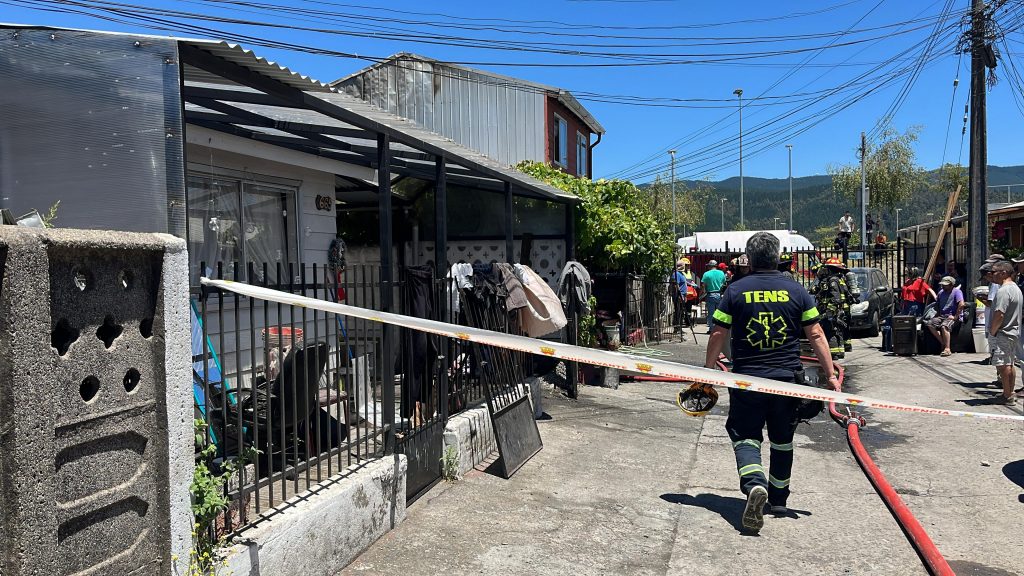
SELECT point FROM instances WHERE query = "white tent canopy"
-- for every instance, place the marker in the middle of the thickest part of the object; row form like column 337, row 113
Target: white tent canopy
column 736, row 241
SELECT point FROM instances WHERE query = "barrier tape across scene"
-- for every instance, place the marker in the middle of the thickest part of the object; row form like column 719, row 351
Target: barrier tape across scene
column 569, row 352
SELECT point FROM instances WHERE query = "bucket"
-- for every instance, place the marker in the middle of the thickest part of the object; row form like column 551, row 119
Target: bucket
column 282, row 336
column 611, row 332
column 980, row 340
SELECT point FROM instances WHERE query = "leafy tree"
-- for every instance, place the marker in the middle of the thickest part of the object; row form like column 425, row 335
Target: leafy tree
column 949, row 177
column 893, row 174
column 691, row 201
column 617, row 228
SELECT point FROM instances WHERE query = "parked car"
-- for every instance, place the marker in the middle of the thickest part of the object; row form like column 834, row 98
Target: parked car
column 877, row 299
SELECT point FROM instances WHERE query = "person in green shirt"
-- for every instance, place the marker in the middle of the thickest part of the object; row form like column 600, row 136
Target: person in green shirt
column 711, row 284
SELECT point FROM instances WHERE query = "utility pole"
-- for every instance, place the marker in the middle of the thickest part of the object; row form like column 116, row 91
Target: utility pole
column 672, row 153
column 739, row 93
column 863, row 188
column 978, row 203
column 789, row 147
column 898, row 219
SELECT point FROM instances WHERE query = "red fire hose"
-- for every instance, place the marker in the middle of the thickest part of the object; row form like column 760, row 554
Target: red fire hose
column 919, row 539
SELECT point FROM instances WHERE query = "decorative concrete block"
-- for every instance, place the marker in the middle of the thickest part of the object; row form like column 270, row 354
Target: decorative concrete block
column 94, row 401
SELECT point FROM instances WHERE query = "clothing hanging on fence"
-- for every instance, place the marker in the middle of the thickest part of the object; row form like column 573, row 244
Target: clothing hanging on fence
column 459, row 276
column 516, row 293
column 544, row 315
column 418, row 352
column 575, row 277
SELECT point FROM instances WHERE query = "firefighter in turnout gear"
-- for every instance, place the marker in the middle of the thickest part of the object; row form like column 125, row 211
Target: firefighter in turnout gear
column 834, row 298
column 763, row 315
column 786, row 265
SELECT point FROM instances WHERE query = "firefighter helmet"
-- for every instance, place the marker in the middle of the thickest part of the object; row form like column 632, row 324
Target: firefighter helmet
column 836, row 264
column 785, row 262
column 698, row 399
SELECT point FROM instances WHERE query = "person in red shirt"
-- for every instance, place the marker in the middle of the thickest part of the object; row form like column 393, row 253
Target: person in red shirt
column 914, row 293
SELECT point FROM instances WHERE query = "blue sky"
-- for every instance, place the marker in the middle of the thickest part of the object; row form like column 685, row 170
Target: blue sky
column 838, row 41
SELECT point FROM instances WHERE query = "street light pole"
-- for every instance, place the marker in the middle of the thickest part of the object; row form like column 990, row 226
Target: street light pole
column 739, row 93
column 672, row 153
column 898, row 219
column 789, row 147
column 723, row 214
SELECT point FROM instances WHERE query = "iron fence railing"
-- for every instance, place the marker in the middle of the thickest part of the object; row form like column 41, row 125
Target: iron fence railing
column 293, row 396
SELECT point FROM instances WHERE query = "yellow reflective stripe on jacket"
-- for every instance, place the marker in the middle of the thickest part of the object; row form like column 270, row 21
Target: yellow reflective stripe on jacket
column 722, row 316
column 751, row 469
column 753, row 443
column 809, row 314
column 778, row 483
column 784, row 447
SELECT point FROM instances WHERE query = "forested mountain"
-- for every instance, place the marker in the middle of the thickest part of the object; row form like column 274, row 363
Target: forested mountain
column 816, row 205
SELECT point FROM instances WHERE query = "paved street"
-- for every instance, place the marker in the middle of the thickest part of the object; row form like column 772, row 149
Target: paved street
column 626, row 484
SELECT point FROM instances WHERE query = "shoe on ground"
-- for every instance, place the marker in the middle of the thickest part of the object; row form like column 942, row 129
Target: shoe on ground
column 1006, row 401
column 778, row 510
column 753, row 513
column 996, row 384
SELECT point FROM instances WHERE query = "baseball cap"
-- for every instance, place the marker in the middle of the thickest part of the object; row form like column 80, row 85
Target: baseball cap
column 1018, row 260
column 995, row 258
column 712, row 263
column 948, row 281
column 985, row 268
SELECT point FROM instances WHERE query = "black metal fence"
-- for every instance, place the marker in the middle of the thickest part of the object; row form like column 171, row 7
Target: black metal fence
column 291, row 396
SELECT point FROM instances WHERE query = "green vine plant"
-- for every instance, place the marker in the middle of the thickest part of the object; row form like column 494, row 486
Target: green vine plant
column 450, row 464
column 587, row 323
column 209, row 502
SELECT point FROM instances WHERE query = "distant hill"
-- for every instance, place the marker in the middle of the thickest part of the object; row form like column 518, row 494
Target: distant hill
column 816, row 205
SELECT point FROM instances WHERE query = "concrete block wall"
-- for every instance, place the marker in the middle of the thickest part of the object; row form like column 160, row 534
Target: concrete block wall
column 326, row 528
column 471, row 435
column 96, row 450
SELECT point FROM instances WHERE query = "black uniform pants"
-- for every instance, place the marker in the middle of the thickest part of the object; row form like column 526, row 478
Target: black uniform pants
column 749, row 413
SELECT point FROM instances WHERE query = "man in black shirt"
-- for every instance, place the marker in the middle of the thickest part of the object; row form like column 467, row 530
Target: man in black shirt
column 766, row 313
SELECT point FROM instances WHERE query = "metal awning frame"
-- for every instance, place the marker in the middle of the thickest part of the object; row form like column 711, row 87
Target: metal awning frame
column 411, row 154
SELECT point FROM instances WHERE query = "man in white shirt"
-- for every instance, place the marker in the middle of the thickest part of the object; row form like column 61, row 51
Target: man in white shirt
column 845, row 230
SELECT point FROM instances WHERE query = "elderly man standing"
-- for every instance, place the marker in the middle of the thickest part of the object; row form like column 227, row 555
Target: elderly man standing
column 767, row 313
column 1004, row 329
column 950, row 310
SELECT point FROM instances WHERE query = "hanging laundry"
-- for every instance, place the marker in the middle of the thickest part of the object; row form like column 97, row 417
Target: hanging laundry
column 516, row 293
column 544, row 315
column 575, row 277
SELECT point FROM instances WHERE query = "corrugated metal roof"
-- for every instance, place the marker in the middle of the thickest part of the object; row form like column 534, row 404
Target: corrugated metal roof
column 226, row 50
column 563, row 96
column 236, row 54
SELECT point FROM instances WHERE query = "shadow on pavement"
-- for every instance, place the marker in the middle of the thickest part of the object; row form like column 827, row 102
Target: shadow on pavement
column 1014, row 471
column 728, row 507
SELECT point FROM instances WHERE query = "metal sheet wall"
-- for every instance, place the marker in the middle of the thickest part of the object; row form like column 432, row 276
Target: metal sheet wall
column 94, row 121
column 498, row 118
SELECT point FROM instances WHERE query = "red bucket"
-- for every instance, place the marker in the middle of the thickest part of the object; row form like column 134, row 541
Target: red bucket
column 282, row 336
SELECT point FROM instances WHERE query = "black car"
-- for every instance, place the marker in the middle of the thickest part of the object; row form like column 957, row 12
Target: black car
column 877, row 299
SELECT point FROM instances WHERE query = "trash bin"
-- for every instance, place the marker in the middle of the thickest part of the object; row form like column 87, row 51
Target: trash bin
column 904, row 335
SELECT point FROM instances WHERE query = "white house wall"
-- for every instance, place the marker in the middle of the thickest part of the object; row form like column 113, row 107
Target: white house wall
column 208, row 151
column 212, row 150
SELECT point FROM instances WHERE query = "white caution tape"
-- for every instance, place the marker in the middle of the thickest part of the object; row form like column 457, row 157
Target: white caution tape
column 626, row 362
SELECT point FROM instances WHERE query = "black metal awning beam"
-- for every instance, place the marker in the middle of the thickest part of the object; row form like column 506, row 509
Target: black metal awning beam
column 297, row 143
column 293, row 97
column 253, row 119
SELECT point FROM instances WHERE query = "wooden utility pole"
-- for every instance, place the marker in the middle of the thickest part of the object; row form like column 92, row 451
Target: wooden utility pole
column 950, row 205
column 978, row 205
